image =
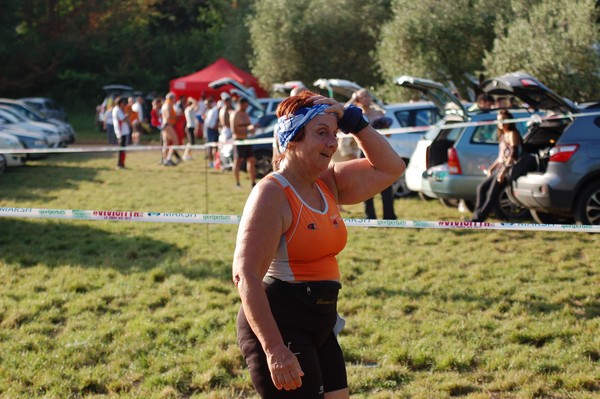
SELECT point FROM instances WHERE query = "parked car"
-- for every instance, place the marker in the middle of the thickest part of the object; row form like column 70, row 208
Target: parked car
column 407, row 114
column 566, row 183
column 65, row 130
column 417, row 165
column 448, row 160
column 8, row 116
column 454, row 111
column 29, row 140
column 47, row 106
column 10, row 142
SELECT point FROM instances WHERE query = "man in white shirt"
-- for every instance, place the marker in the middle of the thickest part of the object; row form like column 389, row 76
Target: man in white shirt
column 211, row 124
column 122, row 128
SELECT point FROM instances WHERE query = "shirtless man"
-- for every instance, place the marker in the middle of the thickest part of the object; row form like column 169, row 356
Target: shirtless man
column 168, row 135
column 241, row 127
column 224, row 118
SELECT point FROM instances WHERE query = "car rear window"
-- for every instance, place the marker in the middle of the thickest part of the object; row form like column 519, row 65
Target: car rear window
column 418, row 117
column 485, row 134
column 488, row 134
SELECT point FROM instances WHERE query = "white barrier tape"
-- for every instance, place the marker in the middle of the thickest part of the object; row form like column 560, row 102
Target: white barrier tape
column 70, row 150
column 172, row 217
column 268, row 140
column 131, row 216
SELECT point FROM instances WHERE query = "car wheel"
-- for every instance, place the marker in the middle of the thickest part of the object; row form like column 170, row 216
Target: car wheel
column 263, row 163
column 506, row 209
column 450, row 202
column 424, row 196
column 2, row 163
column 587, row 210
column 399, row 188
column 548, row 218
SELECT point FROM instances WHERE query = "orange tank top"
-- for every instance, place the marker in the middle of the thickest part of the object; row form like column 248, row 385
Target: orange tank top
column 307, row 251
column 172, row 120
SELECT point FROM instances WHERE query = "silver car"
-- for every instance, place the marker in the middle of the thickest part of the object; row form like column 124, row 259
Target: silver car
column 65, row 130
column 565, row 185
column 8, row 141
column 47, row 106
column 10, row 117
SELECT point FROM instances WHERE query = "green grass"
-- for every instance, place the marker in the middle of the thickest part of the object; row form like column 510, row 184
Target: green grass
column 147, row 310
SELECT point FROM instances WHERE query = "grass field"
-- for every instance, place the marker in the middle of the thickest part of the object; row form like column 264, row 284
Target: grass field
column 147, row 310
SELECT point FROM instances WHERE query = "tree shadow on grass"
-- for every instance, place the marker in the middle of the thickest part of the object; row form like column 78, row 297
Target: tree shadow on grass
column 37, row 181
column 54, row 244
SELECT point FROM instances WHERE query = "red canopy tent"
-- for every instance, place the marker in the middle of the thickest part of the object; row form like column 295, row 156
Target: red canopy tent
column 196, row 84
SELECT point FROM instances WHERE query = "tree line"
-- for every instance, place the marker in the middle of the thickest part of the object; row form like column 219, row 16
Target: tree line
column 69, row 49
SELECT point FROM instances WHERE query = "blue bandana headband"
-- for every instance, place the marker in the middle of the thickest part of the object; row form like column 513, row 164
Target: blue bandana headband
column 287, row 127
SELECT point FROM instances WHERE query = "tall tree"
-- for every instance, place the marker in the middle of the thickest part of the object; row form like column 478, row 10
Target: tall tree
column 435, row 39
column 554, row 40
column 70, row 48
column 311, row 39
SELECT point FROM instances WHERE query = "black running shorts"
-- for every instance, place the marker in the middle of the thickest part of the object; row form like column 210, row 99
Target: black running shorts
column 305, row 314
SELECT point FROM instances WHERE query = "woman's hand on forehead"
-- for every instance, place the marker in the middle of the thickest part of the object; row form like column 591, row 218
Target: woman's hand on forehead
column 335, row 107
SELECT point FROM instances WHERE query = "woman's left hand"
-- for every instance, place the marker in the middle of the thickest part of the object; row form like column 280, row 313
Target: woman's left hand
column 335, row 107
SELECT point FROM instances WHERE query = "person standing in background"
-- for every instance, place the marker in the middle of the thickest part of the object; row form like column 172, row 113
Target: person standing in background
column 169, row 137
column 155, row 116
column 377, row 119
column 122, row 128
column 107, row 119
column 211, row 124
column 137, row 110
column 179, row 107
column 224, row 115
column 241, row 128
column 190, row 127
column 134, row 122
column 200, row 116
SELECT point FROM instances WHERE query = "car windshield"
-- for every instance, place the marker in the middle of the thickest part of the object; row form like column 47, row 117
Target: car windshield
column 35, row 105
column 27, row 112
column 3, row 119
column 11, row 117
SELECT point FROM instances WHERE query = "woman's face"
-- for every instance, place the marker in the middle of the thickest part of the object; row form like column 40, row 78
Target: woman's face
column 364, row 98
column 501, row 124
column 319, row 143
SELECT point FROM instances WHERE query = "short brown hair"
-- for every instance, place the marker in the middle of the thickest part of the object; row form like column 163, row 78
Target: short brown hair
column 294, row 103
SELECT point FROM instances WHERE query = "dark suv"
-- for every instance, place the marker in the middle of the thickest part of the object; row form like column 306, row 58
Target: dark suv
column 565, row 184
